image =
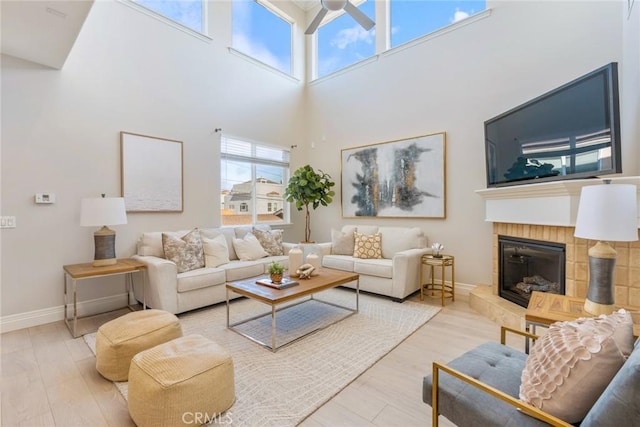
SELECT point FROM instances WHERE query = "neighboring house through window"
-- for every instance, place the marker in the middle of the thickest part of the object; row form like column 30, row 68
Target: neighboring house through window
column 253, row 177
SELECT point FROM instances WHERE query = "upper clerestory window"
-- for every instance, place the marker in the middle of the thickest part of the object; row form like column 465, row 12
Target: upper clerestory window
column 262, row 33
column 411, row 19
column 189, row 13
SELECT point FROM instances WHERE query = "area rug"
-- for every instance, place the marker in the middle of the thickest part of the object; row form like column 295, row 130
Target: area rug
column 283, row 388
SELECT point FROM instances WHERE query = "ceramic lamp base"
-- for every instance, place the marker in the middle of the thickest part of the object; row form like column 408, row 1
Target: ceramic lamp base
column 105, row 247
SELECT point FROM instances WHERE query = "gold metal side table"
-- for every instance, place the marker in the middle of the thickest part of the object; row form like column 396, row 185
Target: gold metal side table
column 442, row 289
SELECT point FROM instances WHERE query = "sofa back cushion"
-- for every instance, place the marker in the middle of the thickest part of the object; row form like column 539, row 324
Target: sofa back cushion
column 150, row 243
column 396, row 239
column 618, row 403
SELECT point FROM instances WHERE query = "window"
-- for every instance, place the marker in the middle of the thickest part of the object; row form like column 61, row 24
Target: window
column 343, row 42
column 186, row 12
column 411, row 19
column 262, row 34
column 253, row 178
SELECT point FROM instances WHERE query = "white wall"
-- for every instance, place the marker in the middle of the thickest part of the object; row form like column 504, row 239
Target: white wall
column 130, row 72
column 453, row 83
column 60, row 134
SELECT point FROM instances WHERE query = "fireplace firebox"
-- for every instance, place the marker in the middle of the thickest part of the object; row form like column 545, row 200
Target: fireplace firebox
column 527, row 265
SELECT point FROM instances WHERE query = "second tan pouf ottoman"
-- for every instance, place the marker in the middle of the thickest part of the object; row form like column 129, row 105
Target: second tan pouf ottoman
column 119, row 340
column 186, row 381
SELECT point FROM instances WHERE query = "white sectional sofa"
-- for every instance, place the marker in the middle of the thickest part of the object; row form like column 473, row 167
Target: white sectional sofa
column 396, row 274
column 175, row 292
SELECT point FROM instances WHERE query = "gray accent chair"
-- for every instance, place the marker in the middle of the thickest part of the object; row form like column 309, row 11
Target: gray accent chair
column 481, row 388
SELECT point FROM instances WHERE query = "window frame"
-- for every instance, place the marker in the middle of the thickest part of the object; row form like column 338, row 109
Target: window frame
column 253, row 160
column 202, row 35
column 292, row 25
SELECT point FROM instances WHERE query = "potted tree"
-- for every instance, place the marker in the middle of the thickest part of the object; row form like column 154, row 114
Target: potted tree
column 306, row 188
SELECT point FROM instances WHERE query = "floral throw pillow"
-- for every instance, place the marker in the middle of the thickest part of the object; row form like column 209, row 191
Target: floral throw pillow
column 186, row 251
column 367, row 246
column 271, row 241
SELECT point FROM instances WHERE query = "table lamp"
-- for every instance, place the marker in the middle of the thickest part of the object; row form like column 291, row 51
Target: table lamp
column 607, row 212
column 101, row 212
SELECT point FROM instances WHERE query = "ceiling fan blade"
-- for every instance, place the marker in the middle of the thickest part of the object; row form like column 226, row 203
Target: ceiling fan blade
column 316, row 21
column 359, row 16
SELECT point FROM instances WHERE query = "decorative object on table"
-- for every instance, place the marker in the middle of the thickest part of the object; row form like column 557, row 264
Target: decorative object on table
column 295, row 261
column 437, row 249
column 314, row 260
column 151, row 173
column 308, row 187
column 282, row 284
column 403, row 178
column 101, row 212
column 275, row 271
column 305, row 270
column 607, row 212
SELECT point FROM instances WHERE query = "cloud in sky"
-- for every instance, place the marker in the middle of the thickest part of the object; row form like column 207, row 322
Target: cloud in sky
column 353, row 35
column 459, row 15
column 258, row 51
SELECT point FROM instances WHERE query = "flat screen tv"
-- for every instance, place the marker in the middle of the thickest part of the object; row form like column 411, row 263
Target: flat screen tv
column 570, row 132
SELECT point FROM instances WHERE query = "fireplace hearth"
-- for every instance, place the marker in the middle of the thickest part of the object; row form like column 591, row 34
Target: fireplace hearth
column 527, row 265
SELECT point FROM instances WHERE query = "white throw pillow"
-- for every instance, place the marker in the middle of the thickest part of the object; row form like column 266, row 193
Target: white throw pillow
column 342, row 243
column 216, row 251
column 249, row 248
column 570, row 366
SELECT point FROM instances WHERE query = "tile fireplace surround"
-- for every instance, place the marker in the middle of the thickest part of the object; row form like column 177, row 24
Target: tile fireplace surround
column 547, row 212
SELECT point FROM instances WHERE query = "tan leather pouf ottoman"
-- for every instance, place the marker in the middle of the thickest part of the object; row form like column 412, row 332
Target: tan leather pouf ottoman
column 187, row 381
column 119, row 340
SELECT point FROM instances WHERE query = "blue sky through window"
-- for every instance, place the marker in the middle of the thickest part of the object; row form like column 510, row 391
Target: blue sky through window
column 261, row 34
column 411, row 19
column 186, row 12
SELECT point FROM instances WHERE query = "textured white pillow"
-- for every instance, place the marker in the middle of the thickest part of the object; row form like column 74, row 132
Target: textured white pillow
column 216, row 251
column 249, row 248
column 186, row 251
column 570, row 366
column 342, row 243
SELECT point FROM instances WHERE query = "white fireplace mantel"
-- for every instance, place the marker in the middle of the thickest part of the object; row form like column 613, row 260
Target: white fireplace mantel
column 548, row 203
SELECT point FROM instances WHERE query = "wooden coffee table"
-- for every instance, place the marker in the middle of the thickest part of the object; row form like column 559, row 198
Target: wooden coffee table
column 327, row 279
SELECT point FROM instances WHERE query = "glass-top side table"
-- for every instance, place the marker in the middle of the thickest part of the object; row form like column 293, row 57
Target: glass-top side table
column 442, row 289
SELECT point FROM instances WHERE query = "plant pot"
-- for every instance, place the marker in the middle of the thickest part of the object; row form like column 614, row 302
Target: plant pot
column 276, row 278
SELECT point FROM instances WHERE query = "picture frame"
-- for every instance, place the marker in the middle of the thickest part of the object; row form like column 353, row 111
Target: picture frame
column 152, row 177
column 404, row 178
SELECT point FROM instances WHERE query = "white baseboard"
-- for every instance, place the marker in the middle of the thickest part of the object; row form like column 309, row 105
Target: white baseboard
column 14, row 322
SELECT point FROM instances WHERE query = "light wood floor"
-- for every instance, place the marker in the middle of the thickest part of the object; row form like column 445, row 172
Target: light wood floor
column 49, row 379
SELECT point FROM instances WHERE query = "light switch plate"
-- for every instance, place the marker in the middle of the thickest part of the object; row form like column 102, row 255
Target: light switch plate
column 8, row 222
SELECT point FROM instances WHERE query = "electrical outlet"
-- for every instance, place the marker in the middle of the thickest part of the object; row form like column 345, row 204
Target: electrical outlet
column 8, row 222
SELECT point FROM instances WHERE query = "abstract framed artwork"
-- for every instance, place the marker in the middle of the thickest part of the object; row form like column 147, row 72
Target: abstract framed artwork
column 151, row 173
column 403, row 178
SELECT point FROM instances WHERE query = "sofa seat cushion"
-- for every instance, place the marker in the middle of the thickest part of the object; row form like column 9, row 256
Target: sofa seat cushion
column 339, row 262
column 200, row 278
column 374, row 267
column 240, row 270
column 493, row 364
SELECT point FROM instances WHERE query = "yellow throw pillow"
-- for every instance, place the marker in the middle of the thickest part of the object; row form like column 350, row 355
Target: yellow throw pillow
column 367, row 246
column 570, row 366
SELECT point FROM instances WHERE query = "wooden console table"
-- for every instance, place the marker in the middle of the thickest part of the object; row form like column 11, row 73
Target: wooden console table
column 77, row 272
column 546, row 308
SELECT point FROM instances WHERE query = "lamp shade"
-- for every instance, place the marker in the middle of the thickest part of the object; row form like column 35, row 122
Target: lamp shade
column 608, row 212
column 101, row 211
